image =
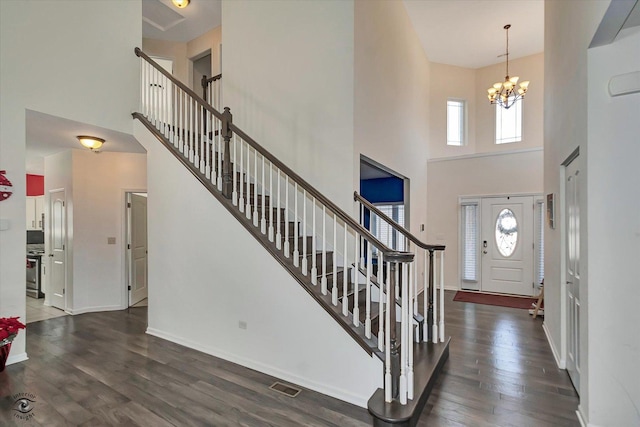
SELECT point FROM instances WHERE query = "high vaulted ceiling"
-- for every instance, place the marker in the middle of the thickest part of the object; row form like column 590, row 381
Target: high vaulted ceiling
column 470, row 33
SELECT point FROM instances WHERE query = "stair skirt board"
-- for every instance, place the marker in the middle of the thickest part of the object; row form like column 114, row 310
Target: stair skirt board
column 286, row 329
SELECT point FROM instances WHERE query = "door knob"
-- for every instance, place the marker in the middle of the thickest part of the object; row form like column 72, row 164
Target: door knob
column 50, row 255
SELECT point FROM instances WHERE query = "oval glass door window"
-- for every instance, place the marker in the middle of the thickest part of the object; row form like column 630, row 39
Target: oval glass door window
column 506, row 232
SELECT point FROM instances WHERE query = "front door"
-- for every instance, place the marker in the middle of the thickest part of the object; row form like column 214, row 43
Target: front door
column 507, row 245
column 58, row 239
column 572, row 233
column 138, row 248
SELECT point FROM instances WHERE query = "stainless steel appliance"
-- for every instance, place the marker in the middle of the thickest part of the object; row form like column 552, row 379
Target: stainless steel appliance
column 35, row 250
column 34, row 276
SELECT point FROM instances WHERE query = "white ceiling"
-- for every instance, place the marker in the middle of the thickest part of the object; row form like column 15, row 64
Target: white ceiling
column 163, row 21
column 470, row 34
column 47, row 135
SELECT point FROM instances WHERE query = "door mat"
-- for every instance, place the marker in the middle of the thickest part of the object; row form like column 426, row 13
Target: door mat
column 492, row 299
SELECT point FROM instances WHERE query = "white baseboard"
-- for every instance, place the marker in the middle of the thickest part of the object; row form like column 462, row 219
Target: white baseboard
column 323, row 388
column 94, row 309
column 556, row 355
column 17, row 358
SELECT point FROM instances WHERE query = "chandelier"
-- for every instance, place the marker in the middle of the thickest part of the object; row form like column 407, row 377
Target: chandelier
column 506, row 94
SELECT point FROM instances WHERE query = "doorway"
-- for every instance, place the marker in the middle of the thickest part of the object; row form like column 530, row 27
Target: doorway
column 571, row 236
column 137, row 249
column 501, row 244
column 389, row 191
column 201, row 67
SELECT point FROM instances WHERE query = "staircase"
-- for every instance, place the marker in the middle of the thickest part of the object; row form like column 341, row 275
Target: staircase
column 329, row 253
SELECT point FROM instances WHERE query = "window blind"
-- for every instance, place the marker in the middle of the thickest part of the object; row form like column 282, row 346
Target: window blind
column 540, row 242
column 470, row 235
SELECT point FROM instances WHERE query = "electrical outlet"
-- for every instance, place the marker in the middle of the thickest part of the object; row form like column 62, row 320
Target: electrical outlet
column 242, row 324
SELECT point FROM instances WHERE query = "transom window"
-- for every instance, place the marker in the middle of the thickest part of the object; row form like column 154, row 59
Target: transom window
column 455, row 122
column 509, row 123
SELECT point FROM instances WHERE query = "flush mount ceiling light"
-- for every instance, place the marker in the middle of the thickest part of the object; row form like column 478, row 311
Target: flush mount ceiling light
column 505, row 93
column 181, row 3
column 91, row 142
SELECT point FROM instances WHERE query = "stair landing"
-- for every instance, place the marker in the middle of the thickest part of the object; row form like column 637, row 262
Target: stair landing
column 429, row 359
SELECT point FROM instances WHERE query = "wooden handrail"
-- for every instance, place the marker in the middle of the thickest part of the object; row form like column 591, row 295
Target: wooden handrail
column 206, row 81
column 386, row 251
column 178, row 83
column 357, row 197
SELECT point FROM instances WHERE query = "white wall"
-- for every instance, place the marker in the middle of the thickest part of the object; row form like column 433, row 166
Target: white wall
column 288, row 78
column 391, row 110
column 207, row 273
column 99, row 185
column 614, row 236
column 95, row 186
column 448, row 81
column 508, row 174
column 569, row 28
column 70, row 59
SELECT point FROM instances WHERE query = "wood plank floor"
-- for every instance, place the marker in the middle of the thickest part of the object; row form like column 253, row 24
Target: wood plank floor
column 101, row 369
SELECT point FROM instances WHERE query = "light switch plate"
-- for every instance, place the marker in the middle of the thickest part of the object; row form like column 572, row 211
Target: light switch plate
column 111, row 240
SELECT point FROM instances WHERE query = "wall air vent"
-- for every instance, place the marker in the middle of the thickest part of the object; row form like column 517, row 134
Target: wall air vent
column 159, row 15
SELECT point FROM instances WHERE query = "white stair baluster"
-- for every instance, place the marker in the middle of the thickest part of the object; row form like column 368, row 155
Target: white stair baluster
column 334, row 288
column 278, row 216
column 411, row 336
column 323, row 281
column 271, row 198
column 383, row 288
column 255, row 188
column 314, row 266
column 304, row 232
column 263, row 185
column 345, row 274
column 296, row 253
column 403, row 336
column 286, row 216
column 434, row 327
column 243, row 177
column 367, row 315
column 219, row 145
column 441, row 296
column 247, row 209
column 387, row 373
column 425, row 302
column 356, row 274
column 234, row 177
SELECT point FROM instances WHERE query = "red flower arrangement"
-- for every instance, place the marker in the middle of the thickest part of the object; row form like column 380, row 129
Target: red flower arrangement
column 9, row 327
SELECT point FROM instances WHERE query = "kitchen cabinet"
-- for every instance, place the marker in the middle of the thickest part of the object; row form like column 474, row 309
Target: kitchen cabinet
column 35, row 211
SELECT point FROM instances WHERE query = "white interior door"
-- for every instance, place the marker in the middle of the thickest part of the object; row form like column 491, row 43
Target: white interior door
column 507, row 245
column 138, row 249
column 58, row 239
column 572, row 236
